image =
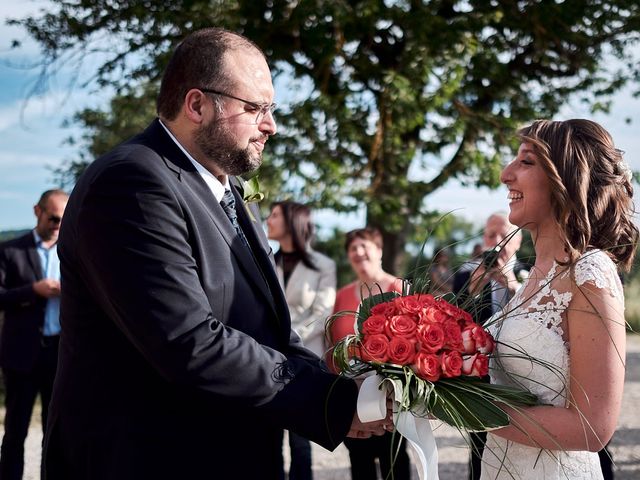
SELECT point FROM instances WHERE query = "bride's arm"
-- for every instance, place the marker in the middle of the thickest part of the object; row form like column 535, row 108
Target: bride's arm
column 597, row 357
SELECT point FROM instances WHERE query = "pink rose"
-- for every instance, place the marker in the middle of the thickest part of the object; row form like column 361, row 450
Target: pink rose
column 401, row 326
column 476, row 365
column 427, row 366
column 451, row 364
column 375, row 348
column 485, row 343
column 374, row 324
column 476, row 339
column 402, row 351
column 430, row 337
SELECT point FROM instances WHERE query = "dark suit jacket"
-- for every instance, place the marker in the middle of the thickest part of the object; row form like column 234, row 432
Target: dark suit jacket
column 177, row 358
column 23, row 309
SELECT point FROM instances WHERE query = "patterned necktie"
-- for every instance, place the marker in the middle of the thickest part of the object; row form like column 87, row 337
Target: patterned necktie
column 228, row 204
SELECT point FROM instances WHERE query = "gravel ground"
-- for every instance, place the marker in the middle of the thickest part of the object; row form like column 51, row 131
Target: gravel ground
column 452, row 450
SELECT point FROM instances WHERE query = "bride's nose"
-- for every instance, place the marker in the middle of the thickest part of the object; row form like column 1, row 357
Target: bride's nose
column 506, row 175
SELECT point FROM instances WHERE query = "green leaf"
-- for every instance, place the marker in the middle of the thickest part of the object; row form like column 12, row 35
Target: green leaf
column 468, row 403
column 252, row 191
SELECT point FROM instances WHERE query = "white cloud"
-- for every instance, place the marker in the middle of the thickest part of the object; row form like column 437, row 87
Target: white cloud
column 52, row 106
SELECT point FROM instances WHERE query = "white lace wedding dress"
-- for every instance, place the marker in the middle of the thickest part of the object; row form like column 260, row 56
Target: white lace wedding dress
column 534, row 326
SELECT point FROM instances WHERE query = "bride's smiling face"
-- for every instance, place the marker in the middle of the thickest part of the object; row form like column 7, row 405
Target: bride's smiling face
column 529, row 190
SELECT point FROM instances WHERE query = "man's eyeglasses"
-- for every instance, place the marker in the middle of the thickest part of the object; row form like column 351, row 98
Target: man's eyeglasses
column 260, row 109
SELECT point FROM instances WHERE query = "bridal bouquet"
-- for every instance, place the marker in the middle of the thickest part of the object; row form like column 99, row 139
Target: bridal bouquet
column 430, row 356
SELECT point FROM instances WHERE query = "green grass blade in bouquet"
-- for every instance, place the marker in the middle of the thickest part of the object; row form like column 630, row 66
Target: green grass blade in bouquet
column 473, row 405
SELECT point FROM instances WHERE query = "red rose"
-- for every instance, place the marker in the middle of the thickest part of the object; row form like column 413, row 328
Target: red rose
column 413, row 304
column 426, row 299
column 430, row 336
column 402, row 351
column 451, row 364
column 476, row 365
column 375, row 348
column 386, row 309
column 427, row 366
column 465, row 317
column 433, row 314
column 454, row 312
column 401, row 326
column 452, row 336
column 374, row 324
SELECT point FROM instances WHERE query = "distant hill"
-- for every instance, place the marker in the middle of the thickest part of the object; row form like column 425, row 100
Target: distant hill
column 9, row 234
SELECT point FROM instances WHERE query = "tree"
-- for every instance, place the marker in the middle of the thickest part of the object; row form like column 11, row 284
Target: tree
column 387, row 100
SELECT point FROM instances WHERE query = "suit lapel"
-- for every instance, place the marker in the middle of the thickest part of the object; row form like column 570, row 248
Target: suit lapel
column 298, row 275
column 261, row 252
column 32, row 255
column 220, row 219
column 177, row 161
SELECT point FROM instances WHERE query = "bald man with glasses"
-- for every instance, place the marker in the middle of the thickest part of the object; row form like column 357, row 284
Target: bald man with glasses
column 30, row 299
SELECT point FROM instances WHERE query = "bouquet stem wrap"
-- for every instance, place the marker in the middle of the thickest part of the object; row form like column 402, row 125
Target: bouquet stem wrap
column 416, row 430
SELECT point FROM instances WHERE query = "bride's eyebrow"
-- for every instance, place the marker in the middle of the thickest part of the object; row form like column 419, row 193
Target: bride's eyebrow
column 528, row 151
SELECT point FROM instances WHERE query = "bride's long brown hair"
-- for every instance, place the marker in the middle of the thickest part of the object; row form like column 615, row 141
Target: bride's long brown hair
column 591, row 191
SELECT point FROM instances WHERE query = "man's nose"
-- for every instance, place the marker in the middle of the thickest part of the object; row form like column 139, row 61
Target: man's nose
column 268, row 124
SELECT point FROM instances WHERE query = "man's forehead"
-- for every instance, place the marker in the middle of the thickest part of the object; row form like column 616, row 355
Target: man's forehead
column 243, row 61
column 498, row 224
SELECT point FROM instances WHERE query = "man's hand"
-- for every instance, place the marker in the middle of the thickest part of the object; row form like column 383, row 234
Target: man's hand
column 498, row 273
column 47, row 288
column 365, row 430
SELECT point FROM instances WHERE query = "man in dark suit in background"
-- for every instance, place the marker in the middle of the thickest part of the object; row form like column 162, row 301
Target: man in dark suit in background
column 491, row 280
column 30, row 299
column 177, row 358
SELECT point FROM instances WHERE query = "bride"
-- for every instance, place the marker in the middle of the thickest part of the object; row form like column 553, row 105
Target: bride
column 570, row 188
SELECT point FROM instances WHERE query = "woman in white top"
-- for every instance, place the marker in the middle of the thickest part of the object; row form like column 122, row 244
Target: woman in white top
column 570, row 188
column 309, row 282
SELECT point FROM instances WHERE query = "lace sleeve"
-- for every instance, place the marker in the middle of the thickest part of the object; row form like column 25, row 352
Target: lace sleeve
column 597, row 268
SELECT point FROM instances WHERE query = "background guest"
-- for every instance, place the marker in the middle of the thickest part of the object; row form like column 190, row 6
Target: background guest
column 440, row 273
column 309, row 282
column 492, row 284
column 364, row 250
column 30, row 298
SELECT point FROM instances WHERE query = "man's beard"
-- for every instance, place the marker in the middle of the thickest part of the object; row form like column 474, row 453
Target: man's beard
column 216, row 142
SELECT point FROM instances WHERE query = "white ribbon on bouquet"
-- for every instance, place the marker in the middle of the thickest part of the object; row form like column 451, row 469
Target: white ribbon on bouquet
column 372, row 406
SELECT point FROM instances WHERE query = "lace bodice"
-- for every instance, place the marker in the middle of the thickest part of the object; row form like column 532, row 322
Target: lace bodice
column 534, row 326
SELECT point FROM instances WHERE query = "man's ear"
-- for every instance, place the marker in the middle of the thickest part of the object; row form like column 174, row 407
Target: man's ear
column 195, row 106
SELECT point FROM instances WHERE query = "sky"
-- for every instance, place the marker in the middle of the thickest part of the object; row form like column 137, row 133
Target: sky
column 32, row 136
